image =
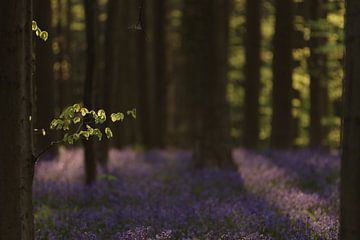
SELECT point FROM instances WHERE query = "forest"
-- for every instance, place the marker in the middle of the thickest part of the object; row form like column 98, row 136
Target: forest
column 180, row 119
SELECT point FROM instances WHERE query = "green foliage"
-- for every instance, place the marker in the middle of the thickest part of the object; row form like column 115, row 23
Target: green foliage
column 77, row 123
column 44, row 35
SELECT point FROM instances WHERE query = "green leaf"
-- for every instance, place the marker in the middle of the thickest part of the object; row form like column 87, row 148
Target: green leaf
column 85, row 134
column 108, row 133
column 84, row 111
column 77, row 107
column 76, row 120
column 76, row 136
column 66, row 126
column 117, row 117
column 98, row 133
column 44, row 35
column 132, row 113
column 34, row 26
column 107, row 177
column 90, row 130
column 65, row 137
column 56, row 124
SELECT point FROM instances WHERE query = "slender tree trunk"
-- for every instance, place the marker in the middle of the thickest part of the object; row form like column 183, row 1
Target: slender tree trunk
column 161, row 70
column 318, row 74
column 143, row 81
column 17, row 168
column 44, row 76
column 252, row 73
column 350, row 164
column 90, row 13
column 205, row 44
column 282, row 131
column 126, row 62
column 110, row 70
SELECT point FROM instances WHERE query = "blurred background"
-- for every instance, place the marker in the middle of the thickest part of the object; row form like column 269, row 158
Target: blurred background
column 158, row 56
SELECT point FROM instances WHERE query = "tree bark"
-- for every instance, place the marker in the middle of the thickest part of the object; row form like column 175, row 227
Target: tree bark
column 17, row 168
column 318, row 74
column 350, row 164
column 205, row 42
column 44, row 77
column 252, row 73
column 143, row 80
column 90, row 18
column 161, row 73
column 282, row 130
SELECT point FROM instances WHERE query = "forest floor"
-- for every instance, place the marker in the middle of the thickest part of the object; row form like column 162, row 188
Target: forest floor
column 154, row 195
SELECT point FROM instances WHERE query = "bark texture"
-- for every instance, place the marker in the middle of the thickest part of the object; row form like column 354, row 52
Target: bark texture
column 282, row 129
column 318, row 74
column 16, row 172
column 90, row 18
column 252, row 73
column 205, row 43
column 350, row 163
column 44, row 76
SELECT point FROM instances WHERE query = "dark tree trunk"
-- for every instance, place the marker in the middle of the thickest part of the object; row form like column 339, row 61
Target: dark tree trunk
column 143, row 81
column 205, row 42
column 318, row 74
column 282, row 130
column 252, row 73
column 161, row 73
column 90, row 16
column 126, row 68
column 110, row 70
column 350, row 164
column 44, row 76
column 17, row 168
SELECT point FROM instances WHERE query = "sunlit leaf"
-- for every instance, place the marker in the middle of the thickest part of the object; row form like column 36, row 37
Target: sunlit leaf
column 44, row 35
column 76, row 120
column 117, row 117
column 108, row 133
column 34, row 26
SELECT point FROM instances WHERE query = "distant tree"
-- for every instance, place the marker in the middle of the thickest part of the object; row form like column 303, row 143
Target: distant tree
column 350, row 164
column 44, row 75
column 141, row 66
column 282, row 131
column 110, row 70
column 205, row 45
column 90, row 19
column 252, row 73
column 161, row 47
column 318, row 72
column 17, row 162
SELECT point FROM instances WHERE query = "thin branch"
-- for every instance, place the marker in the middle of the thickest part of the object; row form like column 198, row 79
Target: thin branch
column 53, row 143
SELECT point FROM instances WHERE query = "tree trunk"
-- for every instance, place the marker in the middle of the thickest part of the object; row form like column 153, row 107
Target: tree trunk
column 350, row 164
column 110, row 70
column 44, row 77
column 161, row 73
column 282, row 131
column 17, row 168
column 205, row 42
column 252, row 73
column 143, row 81
column 90, row 18
column 318, row 74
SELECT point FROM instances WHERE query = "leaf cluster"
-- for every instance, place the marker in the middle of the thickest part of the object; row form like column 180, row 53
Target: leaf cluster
column 77, row 122
column 41, row 34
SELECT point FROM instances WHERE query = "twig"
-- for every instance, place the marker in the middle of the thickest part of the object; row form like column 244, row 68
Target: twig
column 53, row 143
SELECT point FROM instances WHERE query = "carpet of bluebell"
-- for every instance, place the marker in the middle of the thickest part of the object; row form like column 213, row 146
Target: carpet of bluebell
column 155, row 195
